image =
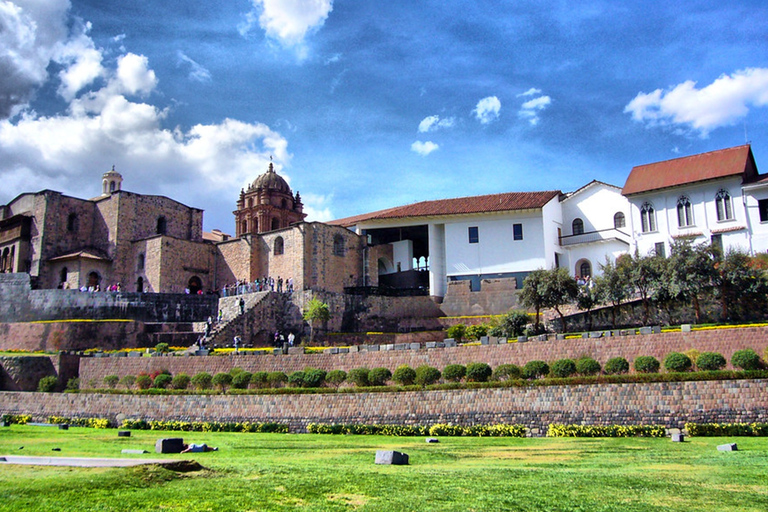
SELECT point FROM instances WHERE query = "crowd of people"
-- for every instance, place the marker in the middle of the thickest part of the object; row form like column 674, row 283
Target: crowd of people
column 264, row 284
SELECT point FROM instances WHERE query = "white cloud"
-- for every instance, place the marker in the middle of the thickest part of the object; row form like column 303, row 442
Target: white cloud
column 721, row 103
column 531, row 108
column 432, row 123
column 487, row 109
column 82, row 63
column 134, row 75
column 288, row 21
column 530, row 92
column 424, row 148
column 197, row 72
column 317, row 207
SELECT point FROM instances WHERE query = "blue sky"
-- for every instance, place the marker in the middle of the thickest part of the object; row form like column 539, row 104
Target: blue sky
column 365, row 105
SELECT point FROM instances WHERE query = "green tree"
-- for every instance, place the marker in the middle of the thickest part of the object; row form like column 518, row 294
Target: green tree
column 644, row 274
column 532, row 295
column 404, row 375
column 511, row 325
column 613, row 286
column 426, row 375
column 741, row 286
column 586, row 300
column 111, row 381
column 47, row 384
column 222, row 380
column 559, row 289
column 316, row 311
column 691, row 271
column 336, row 377
column 202, row 380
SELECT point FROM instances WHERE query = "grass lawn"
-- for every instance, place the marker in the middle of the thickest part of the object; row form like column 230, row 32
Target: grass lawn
column 328, row 473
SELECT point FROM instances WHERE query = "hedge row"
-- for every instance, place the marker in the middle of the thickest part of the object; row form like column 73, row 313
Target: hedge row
column 205, row 426
column 16, row 419
column 726, row 429
column 559, row 430
column 439, row 429
column 81, row 422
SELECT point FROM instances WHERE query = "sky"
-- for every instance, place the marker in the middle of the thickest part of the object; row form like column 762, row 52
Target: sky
column 365, row 105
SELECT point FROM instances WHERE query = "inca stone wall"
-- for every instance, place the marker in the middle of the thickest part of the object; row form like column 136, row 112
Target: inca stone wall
column 724, row 341
column 667, row 403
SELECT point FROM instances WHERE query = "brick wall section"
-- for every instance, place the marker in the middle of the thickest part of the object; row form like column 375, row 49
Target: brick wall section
column 669, row 404
column 725, row 341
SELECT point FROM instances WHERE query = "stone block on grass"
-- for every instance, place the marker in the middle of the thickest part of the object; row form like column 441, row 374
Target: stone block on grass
column 391, row 457
column 123, row 433
column 137, row 452
column 678, row 437
column 449, row 342
column 169, row 445
column 730, row 447
column 432, row 440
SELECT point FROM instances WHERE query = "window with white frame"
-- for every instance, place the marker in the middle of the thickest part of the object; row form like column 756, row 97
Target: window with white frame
column 647, row 218
column 684, row 212
column 577, row 226
column 619, row 221
column 723, row 205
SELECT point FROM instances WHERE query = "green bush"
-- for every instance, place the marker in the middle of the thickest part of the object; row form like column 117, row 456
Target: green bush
column 404, row 375
column 746, row 359
column 202, row 380
column 677, row 362
column 162, row 381
column 379, row 376
column 222, row 380
column 587, row 366
column 710, row 361
column 475, row 332
column 511, row 325
column 180, row 381
column 426, row 375
column 558, row 430
column 162, row 348
column 478, row 372
column 73, row 384
column 535, row 369
column 507, row 372
column 276, row 379
column 205, row 426
column 47, row 384
column 111, row 381
column 457, row 332
column 143, row 381
column 563, row 368
column 336, row 378
column 128, row 381
column 454, row 372
column 241, row 380
column 359, row 377
column 297, row 379
column 260, row 379
column 616, row 366
column 647, row 364
column 314, row 377
column 727, row 429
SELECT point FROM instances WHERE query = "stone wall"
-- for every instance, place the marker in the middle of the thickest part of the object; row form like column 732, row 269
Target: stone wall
column 725, row 341
column 495, row 297
column 22, row 373
column 667, row 403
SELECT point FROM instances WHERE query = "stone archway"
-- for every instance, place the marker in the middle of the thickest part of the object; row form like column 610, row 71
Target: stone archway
column 195, row 285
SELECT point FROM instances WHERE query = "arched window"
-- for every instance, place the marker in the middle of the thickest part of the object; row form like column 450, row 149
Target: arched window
column 162, row 225
column 140, row 265
column 72, row 222
column 338, row 245
column 93, row 280
column 243, row 227
column 577, row 226
column 4, row 261
column 112, row 186
column 684, row 212
column 255, row 224
column 585, row 269
column 723, row 205
column 279, row 246
column 647, row 218
column 619, row 221
column 195, row 285
column 284, row 204
column 275, row 223
column 140, row 285
column 250, row 202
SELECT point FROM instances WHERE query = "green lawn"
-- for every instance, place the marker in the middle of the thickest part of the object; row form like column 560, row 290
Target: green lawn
column 323, row 472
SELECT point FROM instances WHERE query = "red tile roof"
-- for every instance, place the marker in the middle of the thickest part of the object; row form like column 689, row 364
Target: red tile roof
column 509, row 201
column 691, row 169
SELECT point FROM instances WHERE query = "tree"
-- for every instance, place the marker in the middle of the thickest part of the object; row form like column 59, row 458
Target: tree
column 586, row 300
column 691, row 270
column 532, row 294
column 316, row 311
column 511, row 325
column 644, row 274
column 613, row 286
column 559, row 289
column 741, row 286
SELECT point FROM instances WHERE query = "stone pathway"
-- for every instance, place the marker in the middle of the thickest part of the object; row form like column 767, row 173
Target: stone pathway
column 84, row 462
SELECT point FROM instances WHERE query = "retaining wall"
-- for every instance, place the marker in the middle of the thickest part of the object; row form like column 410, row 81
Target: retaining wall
column 724, row 341
column 665, row 403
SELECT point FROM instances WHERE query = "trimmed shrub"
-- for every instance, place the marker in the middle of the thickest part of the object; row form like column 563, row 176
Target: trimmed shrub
column 454, row 372
column 647, row 364
column 47, row 384
column 710, row 361
column 426, row 375
column 222, row 380
column 379, row 376
column 336, row 378
column 746, row 359
column 128, row 381
column 73, row 384
column 507, row 372
column 162, row 348
column 693, row 355
column 587, row 366
column 180, row 381
column 677, row 362
column 559, row 430
column 162, row 381
column 297, row 379
column 359, row 377
column 276, row 379
column 111, row 381
column 563, row 368
column 404, row 375
column 616, row 366
column 202, row 380
column 478, row 372
column 535, row 369
column 314, row 378
column 475, row 332
column 241, row 380
column 457, row 332
column 260, row 379
column 144, row 381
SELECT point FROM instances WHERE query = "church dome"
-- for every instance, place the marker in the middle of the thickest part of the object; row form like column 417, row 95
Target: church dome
column 270, row 180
